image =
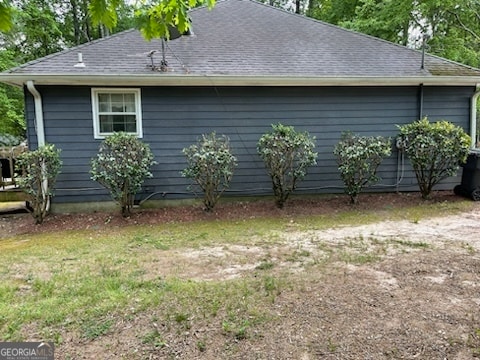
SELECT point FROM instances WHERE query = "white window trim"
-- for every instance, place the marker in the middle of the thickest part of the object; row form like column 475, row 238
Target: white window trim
column 95, row 107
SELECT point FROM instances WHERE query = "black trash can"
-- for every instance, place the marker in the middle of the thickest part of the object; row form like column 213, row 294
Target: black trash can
column 5, row 168
column 470, row 186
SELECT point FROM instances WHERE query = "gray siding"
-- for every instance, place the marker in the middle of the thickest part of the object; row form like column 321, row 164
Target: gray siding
column 175, row 117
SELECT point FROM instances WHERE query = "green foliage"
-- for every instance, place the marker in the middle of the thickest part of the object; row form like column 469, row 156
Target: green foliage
column 5, row 15
column 375, row 18
column 9, row 140
column 287, row 155
column 12, row 120
column 435, row 150
column 332, row 11
column 454, row 29
column 155, row 21
column 358, row 158
column 103, row 12
column 93, row 329
column 210, row 164
column 41, row 27
column 38, row 31
column 451, row 26
column 39, row 171
column 121, row 165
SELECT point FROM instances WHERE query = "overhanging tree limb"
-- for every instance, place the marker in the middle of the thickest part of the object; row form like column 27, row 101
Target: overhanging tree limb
column 463, row 26
column 154, row 20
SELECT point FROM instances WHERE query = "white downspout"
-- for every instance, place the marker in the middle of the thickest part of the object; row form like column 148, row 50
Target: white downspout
column 38, row 113
column 40, row 128
column 473, row 117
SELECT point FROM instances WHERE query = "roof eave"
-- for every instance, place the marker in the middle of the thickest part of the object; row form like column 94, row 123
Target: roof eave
column 233, row 80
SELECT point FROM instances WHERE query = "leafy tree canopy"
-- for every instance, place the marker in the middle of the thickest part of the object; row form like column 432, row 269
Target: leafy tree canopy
column 153, row 18
column 12, row 121
column 451, row 28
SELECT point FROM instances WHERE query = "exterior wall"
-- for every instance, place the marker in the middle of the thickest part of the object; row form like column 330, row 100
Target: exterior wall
column 175, row 117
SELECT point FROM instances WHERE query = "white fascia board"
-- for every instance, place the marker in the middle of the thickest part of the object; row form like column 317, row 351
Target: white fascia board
column 226, row 80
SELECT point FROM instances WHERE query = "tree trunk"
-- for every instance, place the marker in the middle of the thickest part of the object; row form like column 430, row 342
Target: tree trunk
column 76, row 22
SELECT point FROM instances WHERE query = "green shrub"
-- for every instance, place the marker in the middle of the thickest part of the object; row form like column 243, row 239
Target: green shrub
column 287, row 154
column 435, row 150
column 210, row 164
column 39, row 171
column 122, row 164
column 358, row 158
column 9, row 140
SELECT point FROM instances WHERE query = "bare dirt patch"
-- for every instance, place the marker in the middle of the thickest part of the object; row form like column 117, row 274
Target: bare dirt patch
column 407, row 289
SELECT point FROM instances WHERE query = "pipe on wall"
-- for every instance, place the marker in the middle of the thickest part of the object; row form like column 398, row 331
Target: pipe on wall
column 38, row 113
column 40, row 134
column 420, row 101
column 473, row 117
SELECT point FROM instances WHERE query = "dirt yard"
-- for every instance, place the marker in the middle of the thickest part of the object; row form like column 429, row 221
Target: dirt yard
column 406, row 289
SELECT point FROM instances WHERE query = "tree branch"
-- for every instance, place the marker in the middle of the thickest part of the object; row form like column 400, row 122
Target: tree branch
column 463, row 26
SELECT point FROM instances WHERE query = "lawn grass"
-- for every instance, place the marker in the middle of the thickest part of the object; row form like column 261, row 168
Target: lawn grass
column 83, row 281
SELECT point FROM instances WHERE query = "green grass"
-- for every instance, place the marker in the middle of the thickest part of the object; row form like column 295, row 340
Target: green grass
column 411, row 244
column 84, row 281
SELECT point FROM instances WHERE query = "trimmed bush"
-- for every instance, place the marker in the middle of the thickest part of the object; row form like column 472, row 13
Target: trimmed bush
column 39, row 171
column 210, row 164
column 358, row 158
column 122, row 164
column 287, row 155
column 435, row 150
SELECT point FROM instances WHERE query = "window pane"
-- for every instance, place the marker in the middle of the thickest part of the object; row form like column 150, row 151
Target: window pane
column 130, row 123
column 106, row 123
column 103, row 98
column 117, row 107
column 118, row 98
column 129, row 98
column 104, row 102
column 118, row 123
column 130, row 107
column 104, row 107
column 117, row 103
column 131, row 127
column 118, row 127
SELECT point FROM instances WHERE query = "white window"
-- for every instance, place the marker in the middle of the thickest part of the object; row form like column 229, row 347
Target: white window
column 116, row 110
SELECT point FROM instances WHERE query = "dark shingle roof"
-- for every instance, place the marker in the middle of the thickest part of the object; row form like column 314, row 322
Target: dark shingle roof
column 244, row 39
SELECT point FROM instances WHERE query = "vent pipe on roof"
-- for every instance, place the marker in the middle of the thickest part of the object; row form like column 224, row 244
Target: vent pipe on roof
column 423, row 54
column 425, row 38
column 80, row 62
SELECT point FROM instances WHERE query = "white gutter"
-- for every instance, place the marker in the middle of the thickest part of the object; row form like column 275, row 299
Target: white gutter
column 161, row 79
column 38, row 113
column 473, row 117
column 40, row 136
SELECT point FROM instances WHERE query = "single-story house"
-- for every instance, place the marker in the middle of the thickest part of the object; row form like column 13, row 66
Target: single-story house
column 243, row 66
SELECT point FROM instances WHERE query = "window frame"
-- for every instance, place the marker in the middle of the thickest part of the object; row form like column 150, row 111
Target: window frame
column 96, row 110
